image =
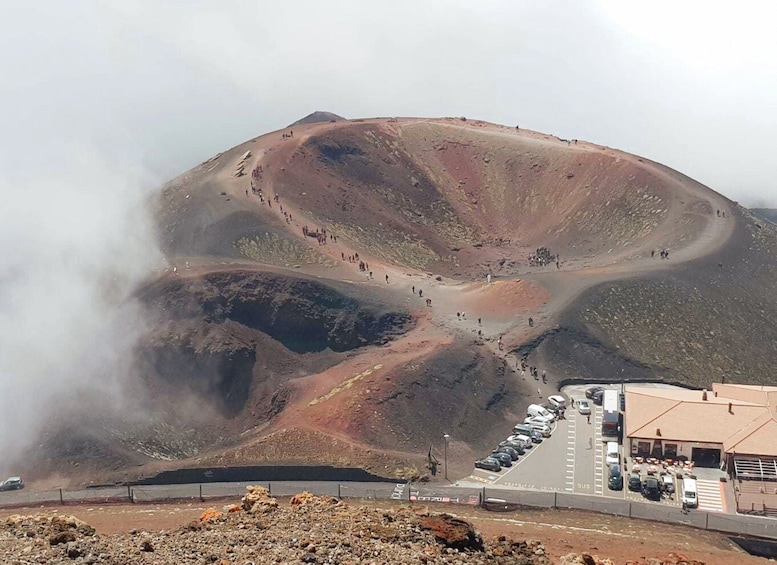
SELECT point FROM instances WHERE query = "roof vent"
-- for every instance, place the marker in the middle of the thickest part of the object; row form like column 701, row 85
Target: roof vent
column 704, row 395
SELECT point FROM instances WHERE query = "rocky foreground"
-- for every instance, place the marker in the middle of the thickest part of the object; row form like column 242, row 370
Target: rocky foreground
column 311, row 530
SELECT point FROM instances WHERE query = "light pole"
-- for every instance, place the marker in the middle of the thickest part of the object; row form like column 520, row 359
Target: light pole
column 446, row 437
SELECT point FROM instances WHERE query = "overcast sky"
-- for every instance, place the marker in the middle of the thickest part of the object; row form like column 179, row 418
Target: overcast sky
column 692, row 84
column 100, row 103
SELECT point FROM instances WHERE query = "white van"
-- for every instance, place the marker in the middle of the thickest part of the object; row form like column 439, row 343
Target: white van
column 613, row 456
column 689, row 493
column 537, row 411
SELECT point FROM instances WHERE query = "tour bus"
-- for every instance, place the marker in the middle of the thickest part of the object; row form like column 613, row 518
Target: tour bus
column 610, row 416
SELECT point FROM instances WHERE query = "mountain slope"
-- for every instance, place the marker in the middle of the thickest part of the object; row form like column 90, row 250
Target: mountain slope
column 294, row 324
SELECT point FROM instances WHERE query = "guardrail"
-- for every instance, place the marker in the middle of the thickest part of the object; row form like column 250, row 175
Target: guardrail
column 738, row 524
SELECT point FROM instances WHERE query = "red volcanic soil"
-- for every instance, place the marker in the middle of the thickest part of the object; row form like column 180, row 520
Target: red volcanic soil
column 289, row 345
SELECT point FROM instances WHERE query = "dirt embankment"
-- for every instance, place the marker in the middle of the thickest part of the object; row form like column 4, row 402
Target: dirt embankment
column 310, row 529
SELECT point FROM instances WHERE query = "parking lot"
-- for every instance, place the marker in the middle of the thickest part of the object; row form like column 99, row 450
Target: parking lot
column 573, row 460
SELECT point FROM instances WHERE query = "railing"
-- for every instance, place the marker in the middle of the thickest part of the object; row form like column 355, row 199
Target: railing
column 412, row 493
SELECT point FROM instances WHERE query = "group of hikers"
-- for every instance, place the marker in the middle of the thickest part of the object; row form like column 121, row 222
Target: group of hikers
column 319, row 235
column 288, row 135
column 542, row 257
column 664, row 253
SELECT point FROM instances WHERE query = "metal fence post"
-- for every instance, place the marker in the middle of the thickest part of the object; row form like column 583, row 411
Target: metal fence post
column 707, row 521
column 201, row 499
column 339, row 495
column 555, row 499
column 132, row 495
column 269, row 489
column 129, row 493
column 61, row 500
column 483, row 497
column 629, row 509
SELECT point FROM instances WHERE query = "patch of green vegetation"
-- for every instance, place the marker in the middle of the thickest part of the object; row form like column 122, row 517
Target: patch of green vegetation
column 274, row 250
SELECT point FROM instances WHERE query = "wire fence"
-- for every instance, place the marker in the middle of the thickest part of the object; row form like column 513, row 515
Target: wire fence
column 492, row 498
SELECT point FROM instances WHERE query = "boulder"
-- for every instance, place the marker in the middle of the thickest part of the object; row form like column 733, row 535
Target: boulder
column 258, row 500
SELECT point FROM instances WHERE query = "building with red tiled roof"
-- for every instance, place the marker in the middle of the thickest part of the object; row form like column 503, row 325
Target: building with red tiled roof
column 711, row 428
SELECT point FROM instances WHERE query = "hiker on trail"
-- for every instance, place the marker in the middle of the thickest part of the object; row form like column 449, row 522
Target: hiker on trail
column 480, row 333
column 458, row 315
column 463, row 315
column 386, row 279
column 718, row 213
column 589, row 418
column 544, row 378
column 531, row 322
column 488, row 278
column 499, row 342
column 590, row 443
column 429, row 302
column 558, row 265
column 539, row 393
column 291, row 133
column 370, row 274
column 480, row 322
column 413, row 289
column 420, row 292
column 652, row 253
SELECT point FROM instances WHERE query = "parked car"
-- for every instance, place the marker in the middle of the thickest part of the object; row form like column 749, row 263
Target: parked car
column 504, row 459
column 552, row 408
column 524, row 428
column 536, row 437
column 589, row 393
column 12, row 483
column 650, row 488
column 615, row 480
column 667, row 484
column 489, row 464
column 558, row 401
column 537, row 422
column 598, row 397
column 543, row 429
column 509, row 450
column 516, row 445
column 635, row 482
column 583, row 407
column 612, row 456
column 523, row 438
